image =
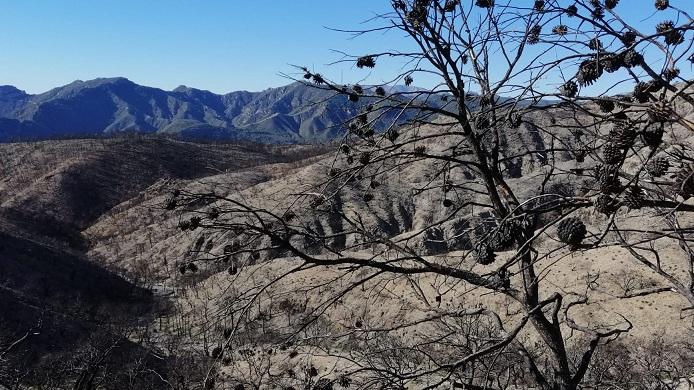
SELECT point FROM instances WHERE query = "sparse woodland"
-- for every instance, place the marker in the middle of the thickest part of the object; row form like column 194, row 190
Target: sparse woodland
column 524, row 222
column 467, row 292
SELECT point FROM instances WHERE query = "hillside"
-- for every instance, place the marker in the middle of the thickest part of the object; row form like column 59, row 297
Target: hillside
column 96, row 210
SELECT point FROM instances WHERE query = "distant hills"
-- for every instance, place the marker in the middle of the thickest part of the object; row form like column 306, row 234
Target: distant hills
column 295, row 113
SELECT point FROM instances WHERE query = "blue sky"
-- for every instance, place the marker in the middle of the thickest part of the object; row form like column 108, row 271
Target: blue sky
column 219, row 45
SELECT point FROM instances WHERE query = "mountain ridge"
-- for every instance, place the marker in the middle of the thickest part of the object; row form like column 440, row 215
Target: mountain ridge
column 294, row 113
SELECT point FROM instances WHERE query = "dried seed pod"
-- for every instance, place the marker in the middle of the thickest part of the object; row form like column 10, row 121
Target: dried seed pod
column 392, row 135
column 653, row 135
column 641, row 92
column 670, row 74
column 569, row 89
column 623, row 136
column 170, row 203
column 515, row 120
column 597, row 12
column 380, row 91
column 484, row 3
column 662, row 5
column 365, row 158
column 605, row 204
column 632, row 58
column 571, row 231
column 595, row 44
column 628, row 38
column 611, row 4
column 607, row 177
column 660, row 112
column 658, row 166
column 588, row 72
column 195, row 222
column 539, row 5
column 633, row 198
column 408, row 80
column 606, row 105
column 447, row 203
column 450, row 5
column 483, row 253
column 318, row 79
column 683, row 184
column 533, row 36
column 560, row 29
column 366, row 61
column 611, row 62
column 672, row 35
column 612, row 154
column 624, row 101
column 571, row 10
column 358, row 89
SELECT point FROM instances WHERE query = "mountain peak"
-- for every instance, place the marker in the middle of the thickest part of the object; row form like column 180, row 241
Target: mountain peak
column 11, row 92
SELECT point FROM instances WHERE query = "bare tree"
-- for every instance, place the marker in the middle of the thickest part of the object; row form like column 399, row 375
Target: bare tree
column 523, row 144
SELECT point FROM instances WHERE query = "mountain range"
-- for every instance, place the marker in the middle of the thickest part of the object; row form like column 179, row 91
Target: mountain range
column 295, row 113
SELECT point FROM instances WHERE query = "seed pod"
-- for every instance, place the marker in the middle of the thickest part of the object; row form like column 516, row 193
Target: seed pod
column 607, row 177
column 641, row 92
column 653, row 135
column 588, row 72
column 380, row 91
column 658, row 166
column 612, row 154
column 659, row 112
column 628, row 38
column 571, row 231
column 633, row 199
column 670, row 74
column 605, row 204
column 484, row 3
column 632, row 58
column 606, row 105
column 662, row 5
column 560, row 30
column 595, row 44
column 533, row 36
column 195, row 222
column 623, row 136
column 170, row 203
column 611, row 62
column 611, row 4
column 569, row 89
column 571, row 11
column 450, row 5
column 483, row 253
column 366, row 61
column 683, row 184
column 318, row 79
